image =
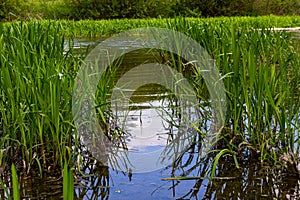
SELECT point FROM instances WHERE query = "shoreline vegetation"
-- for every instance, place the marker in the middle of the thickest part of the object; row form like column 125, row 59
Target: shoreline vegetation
column 99, row 28
column 259, row 66
column 37, row 77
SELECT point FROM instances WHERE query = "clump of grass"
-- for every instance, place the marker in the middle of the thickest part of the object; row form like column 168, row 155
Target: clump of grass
column 259, row 67
column 261, row 78
column 35, row 99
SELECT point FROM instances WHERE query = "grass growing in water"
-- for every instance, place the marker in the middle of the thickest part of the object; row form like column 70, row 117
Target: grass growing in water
column 15, row 182
column 261, row 76
column 68, row 183
column 35, row 99
column 262, row 85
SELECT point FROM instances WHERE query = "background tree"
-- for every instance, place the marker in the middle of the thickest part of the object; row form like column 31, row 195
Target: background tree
column 12, row 9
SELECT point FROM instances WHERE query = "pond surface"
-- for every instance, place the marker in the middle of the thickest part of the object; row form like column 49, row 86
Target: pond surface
column 148, row 126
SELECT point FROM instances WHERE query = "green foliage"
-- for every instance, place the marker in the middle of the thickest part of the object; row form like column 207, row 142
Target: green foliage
column 261, row 77
column 35, row 92
column 47, row 9
column 279, row 7
column 117, row 9
column 68, row 183
column 94, row 28
column 223, row 152
column 12, row 9
column 259, row 68
column 15, row 182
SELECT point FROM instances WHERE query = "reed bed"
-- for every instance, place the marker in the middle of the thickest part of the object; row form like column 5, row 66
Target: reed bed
column 96, row 28
column 260, row 70
column 36, row 84
column 91, row 28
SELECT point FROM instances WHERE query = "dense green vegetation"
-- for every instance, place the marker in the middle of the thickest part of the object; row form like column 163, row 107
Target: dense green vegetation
column 261, row 79
column 36, row 84
column 116, row 9
column 94, row 28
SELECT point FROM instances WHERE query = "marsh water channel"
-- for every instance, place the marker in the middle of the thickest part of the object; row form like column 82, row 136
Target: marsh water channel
column 149, row 124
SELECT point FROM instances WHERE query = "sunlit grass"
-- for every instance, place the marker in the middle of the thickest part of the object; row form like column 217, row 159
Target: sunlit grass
column 68, row 183
column 36, row 80
column 15, row 183
column 260, row 69
column 94, row 28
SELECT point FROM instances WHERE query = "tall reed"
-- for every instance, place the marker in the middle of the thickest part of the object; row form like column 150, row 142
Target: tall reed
column 260, row 70
column 15, row 183
column 96, row 28
column 35, row 93
column 68, row 183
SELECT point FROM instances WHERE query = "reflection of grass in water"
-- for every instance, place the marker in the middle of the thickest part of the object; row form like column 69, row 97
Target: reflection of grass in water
column 235, row 183
column 259, row 68
column 261, row 80
column 148, row 93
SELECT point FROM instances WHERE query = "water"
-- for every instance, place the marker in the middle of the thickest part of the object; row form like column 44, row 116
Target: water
column 149, row 131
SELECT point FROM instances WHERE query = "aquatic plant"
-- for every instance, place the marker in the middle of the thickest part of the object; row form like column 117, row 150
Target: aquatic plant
column 68, row 183
column 36, row 80
column 261, row 77
column 15, row 183
column 259, row 68
column 94, row 28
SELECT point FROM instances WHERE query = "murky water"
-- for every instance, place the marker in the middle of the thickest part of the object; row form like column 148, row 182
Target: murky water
column 150, row 119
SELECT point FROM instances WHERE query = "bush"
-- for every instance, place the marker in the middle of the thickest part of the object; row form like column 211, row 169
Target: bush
column 12, row 9
column 116, row 9
column 48, row 9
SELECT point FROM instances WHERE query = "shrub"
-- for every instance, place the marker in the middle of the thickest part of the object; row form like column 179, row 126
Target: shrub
column 12, row 9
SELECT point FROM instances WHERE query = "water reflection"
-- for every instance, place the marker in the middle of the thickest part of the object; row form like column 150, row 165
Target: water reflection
column 251, row 181
column 94, row 183
column 185, row 178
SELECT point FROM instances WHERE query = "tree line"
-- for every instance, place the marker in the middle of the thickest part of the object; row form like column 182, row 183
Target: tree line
column 116, row 9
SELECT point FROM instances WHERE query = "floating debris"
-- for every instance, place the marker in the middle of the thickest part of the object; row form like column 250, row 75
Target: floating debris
column 130, row 174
